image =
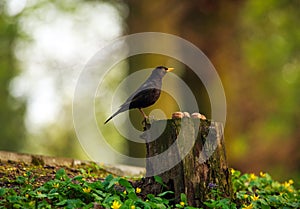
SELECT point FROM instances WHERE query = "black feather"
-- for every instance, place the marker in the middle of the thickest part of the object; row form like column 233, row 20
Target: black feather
column 146, row 95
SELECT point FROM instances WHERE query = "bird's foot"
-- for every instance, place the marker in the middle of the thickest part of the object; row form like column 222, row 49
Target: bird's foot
column 146, row 123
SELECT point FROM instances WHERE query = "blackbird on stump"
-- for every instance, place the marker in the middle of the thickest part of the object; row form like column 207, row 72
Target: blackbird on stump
column 147, row 94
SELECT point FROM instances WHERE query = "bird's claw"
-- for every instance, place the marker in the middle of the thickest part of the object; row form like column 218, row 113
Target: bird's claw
column 146, row 123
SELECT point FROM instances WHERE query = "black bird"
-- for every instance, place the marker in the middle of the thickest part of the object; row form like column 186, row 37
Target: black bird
column 147, row 94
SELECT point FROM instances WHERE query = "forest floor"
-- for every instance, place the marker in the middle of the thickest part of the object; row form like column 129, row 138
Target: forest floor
column 43, row 168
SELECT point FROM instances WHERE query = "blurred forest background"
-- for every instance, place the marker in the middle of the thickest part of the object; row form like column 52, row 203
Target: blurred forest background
column 254, row 45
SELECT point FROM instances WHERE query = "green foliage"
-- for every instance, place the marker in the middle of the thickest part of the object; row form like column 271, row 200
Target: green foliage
column 159, row 180
column 12, row 110
column 263, row 192
column 263, row 63
column 269, row 36
column 115, row 192
column 76, row 192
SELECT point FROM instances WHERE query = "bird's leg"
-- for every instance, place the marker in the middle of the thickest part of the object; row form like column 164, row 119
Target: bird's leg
column 144, row 115
column 145, row 122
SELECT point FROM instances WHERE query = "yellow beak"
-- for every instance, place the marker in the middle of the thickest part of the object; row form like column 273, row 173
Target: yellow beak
column 170, row 69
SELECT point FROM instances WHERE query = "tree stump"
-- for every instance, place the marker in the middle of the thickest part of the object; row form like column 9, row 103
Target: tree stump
column 189, row 155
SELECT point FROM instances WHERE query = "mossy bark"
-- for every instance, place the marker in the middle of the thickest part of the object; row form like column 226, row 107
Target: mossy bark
column 190, row 158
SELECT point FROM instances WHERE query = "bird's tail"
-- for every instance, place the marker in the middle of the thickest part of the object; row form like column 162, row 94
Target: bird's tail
column 111, row 117
column 116, row 113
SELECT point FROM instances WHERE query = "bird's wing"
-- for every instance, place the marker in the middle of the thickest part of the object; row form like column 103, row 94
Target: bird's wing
column 125, row 105
column 138, row 96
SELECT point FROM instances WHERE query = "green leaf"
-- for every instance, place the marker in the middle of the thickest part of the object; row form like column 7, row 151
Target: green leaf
column 265, row 207
column 88, row 206
column 132, row 196
column 2, row 191
column 113, row 182
column 13, row 198
column 262, row 201
column 107, row 180
column 125, row 183
column 179, row 206
column 78, row 178
column 159, row 180
column 128, row 203
column 150, row 196
column 61, row 174
column 100, row 193
column 71, row 203
column 183, row 197
column 62, row 203
column 211, row 203
column 21, row 180
column 165, row 193
column 97, row 185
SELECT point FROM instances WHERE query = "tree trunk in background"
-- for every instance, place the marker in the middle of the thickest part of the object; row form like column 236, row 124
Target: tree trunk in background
column 190, row 158
column 154, row 18
column 210, row 25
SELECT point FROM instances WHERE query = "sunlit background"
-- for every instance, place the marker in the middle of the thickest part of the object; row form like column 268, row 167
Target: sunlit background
column 254, row 45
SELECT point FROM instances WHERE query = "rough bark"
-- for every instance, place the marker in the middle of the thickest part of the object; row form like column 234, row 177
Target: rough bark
column 190, row 158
